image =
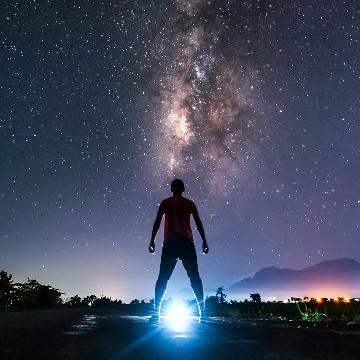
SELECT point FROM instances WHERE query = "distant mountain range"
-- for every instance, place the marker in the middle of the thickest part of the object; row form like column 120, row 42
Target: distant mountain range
column 339, row 277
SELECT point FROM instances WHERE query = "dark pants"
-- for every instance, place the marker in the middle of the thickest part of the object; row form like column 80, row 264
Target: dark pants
column 183, row 249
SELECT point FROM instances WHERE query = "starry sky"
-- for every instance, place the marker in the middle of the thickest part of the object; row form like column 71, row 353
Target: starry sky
column 254, row 104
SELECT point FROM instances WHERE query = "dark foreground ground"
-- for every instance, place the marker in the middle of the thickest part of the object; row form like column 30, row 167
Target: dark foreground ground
column 108, row 334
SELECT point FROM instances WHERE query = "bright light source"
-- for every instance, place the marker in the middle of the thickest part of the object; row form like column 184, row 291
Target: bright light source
column 178, row 316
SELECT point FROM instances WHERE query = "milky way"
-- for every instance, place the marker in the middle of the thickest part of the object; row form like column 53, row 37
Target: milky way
column 208, row 118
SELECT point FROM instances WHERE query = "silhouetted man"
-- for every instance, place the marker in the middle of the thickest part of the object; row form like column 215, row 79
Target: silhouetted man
column 178, row 243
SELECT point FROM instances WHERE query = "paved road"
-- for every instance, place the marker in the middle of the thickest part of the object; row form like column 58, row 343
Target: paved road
column 114, row 336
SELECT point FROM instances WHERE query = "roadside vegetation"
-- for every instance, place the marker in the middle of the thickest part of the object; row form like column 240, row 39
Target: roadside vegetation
column 320, row 310
column 31, row 295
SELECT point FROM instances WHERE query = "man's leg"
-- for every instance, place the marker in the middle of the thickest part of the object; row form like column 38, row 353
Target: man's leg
column 191, row 267
column 167, row 266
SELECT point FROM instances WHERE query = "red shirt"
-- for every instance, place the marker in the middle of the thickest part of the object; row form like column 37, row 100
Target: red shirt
column 177, row 210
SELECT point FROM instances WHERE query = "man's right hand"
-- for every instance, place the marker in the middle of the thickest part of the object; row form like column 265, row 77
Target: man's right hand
column 152, row 247
column 205, row 247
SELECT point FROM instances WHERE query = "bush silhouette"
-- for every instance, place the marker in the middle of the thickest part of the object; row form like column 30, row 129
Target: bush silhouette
column 32, row 294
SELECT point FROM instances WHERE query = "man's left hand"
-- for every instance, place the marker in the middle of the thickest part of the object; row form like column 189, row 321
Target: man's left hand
column 152, row 248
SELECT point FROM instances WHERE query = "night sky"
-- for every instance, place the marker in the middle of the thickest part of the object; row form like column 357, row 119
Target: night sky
column 254, row 104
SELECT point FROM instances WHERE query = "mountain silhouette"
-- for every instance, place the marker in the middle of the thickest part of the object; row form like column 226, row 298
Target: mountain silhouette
column 339, row 277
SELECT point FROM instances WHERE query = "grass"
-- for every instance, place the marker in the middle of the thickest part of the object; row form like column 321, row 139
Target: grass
column 311, row 312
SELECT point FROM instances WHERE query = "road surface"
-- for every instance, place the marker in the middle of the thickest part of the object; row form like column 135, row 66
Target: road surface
column 111, row 335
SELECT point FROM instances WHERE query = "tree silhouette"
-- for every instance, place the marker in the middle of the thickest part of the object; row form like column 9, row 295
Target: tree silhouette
column 103, row 301
column 6, row 289
column 255, row 297
column 74, row 301
column 32, row 294
column 220, row 296
column 88, row 300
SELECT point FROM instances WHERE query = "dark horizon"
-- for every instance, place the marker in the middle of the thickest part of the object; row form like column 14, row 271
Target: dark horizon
column 334, row 278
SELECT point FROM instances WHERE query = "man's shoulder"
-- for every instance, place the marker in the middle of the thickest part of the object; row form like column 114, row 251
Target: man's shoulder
column 166, row 201
column 189, row 202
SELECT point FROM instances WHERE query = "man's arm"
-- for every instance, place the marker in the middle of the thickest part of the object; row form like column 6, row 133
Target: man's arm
column 155, row 229
column 201, row 231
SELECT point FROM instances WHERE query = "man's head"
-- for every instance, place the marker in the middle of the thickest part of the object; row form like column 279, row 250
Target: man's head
column 177, row 187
